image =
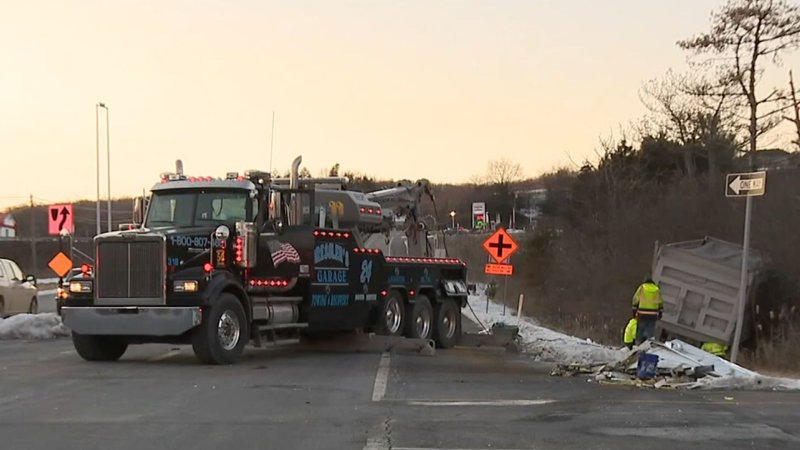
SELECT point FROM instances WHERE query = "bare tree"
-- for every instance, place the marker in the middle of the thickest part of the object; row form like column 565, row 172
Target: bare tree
column 503, row 172
column 744, row 32
column 688, row 111
column 795, row 106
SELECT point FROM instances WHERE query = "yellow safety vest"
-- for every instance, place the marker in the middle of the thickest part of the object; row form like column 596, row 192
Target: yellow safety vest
column 715, row 349
column 630, row 332
column 647, row 299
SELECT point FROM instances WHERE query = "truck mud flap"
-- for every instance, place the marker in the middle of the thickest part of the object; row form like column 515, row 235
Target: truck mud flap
column 362, row 342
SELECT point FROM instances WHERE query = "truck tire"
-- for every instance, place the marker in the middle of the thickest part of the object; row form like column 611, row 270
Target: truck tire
column 221, row 337
column 392, row 315
column 99, row 348
column 419, row 319
column 447, row 327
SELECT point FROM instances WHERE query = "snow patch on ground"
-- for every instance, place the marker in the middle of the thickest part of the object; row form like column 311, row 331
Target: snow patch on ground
column 755, row 382
column 543, row 343
column 33, row 326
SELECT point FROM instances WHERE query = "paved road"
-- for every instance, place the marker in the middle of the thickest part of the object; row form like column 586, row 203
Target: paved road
column 159, row 397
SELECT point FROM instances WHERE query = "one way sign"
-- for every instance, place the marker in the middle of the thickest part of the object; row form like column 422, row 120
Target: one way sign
column 59, row 218
column 745, row 184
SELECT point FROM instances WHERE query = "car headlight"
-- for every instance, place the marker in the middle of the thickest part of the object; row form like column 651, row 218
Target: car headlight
column 185, row 286
column 80, row 286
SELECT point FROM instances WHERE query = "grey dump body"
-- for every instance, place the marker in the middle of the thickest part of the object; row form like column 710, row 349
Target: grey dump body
column 700, row 284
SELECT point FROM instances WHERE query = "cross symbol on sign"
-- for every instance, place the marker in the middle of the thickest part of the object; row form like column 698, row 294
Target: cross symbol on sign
column 500, row 245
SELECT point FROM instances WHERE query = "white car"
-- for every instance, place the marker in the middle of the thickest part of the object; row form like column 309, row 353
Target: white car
column 17, row 292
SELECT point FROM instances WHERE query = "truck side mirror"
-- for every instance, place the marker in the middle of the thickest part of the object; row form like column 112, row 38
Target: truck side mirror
column 138, row 211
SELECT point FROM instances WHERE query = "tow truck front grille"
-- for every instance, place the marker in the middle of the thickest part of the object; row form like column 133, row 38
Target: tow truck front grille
column 130, row 270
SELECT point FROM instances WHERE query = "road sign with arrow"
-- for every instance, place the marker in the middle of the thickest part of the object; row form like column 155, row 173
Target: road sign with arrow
column 745, row 184
column 59, row 218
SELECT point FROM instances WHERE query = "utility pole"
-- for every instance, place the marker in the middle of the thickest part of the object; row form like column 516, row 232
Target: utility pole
column 33, row 236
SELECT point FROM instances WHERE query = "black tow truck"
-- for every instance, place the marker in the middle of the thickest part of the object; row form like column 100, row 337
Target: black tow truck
column 217, row 263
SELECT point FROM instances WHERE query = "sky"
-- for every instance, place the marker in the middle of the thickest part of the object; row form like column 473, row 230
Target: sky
column 395, row 89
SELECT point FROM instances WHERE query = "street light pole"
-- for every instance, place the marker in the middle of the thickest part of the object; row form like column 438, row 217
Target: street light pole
column 97, row 163
column 453, row 219
column 108, row 163
column 108, row 166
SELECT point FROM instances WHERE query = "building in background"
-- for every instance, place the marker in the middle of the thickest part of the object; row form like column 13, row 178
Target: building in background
column 8, row 226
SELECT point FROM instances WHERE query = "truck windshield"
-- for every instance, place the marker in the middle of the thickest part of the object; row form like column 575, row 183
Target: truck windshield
column 198, row 208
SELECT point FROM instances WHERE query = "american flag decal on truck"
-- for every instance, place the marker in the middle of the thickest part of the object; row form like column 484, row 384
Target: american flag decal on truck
column 282, row 252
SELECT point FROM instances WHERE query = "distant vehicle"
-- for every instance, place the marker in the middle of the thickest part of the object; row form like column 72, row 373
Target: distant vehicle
column 62, row 290
column 17, row 292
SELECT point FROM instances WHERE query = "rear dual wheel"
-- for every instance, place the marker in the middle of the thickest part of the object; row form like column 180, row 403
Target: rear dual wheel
column 421, row 320
column 392, row 316
column 420, row 315
column 447, row 329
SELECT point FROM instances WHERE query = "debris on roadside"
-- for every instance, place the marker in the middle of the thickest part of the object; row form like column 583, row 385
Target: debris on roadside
column 679, row 366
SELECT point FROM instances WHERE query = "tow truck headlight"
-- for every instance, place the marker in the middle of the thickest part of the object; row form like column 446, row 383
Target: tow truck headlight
column 185, row 286
column 77, row 287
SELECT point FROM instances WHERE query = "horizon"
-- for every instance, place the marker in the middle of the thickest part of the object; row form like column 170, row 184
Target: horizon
column 395, row 91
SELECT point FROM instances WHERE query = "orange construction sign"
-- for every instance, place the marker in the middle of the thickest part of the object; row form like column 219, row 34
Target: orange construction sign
column 500, row 245
column 499, row 269
column 60, row 264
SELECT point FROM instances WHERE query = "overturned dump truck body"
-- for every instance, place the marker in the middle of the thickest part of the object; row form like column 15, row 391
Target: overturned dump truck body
column 700, row 284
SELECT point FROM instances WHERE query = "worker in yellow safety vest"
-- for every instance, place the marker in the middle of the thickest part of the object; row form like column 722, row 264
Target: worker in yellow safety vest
column 715, row 349
column 630, row 333
column 647, row 307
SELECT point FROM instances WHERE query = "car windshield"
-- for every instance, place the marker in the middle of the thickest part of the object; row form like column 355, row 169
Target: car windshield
column 193, row 208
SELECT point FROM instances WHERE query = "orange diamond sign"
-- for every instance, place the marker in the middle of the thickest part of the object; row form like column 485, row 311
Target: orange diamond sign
column 61, row 264
column 500, row 245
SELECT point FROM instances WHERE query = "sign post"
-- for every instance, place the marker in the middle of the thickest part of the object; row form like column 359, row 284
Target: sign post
column 744, row 185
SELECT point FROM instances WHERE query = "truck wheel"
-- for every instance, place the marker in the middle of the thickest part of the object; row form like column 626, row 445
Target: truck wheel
column 221, row 337
column 420, row 319
column 447, row 330
column 99, row 348
column 392, row 315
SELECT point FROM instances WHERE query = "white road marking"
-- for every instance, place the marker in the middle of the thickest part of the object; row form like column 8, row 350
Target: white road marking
column 163, row 356
column 479, row 402
column 433, row 448
column 381, row 378
column 377, row 444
